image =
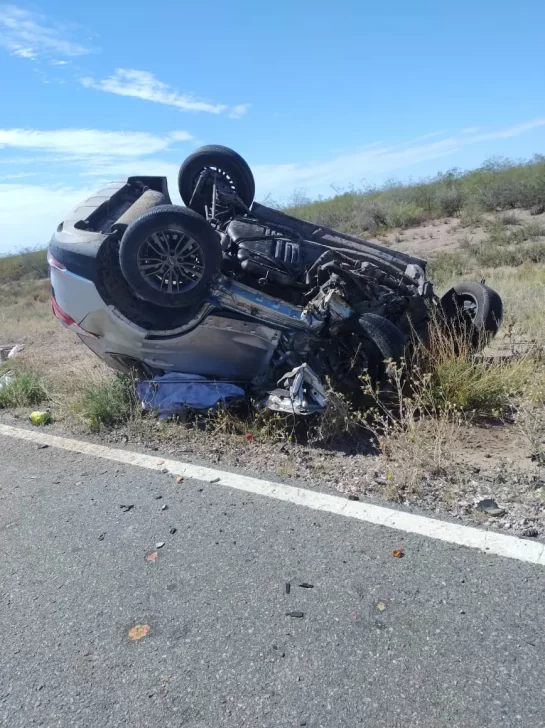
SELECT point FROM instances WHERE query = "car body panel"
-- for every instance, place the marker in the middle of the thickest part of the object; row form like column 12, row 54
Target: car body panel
column 238, row 329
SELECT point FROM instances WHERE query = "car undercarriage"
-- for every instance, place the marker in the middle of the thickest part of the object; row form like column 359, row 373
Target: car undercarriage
column 234, row 291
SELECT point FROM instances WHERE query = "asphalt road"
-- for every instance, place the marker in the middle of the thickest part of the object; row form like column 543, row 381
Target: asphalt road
column 445, row 636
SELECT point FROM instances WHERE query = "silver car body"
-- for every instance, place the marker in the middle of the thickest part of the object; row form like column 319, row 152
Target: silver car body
column 233, row 335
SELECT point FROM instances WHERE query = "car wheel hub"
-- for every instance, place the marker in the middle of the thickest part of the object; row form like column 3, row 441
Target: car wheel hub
column 171, row 261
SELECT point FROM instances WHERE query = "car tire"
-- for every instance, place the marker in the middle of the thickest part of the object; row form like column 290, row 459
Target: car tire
column 233, row 167
column 169, row 256
column 383, row 341
column 474, row 308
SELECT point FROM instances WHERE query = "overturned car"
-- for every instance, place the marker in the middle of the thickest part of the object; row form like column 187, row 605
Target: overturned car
column 232, row 291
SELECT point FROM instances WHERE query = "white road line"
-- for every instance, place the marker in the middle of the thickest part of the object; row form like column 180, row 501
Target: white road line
column 511, row 547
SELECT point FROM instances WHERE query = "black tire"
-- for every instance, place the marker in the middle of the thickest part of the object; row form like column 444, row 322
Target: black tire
column 387, row 339
column 235, row 171
column 161, row 272
column 384, row 341
column 475, row 309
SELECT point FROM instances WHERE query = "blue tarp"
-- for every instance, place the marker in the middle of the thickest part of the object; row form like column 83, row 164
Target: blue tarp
column 171, row 393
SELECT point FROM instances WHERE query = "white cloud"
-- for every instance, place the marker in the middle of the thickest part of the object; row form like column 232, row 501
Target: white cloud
column 238, row 111
column 30, row 213
column 93, row 157
column 83, row 143
column 29, row 35
column 144, row 85
column 372, row 161
column 25, row 53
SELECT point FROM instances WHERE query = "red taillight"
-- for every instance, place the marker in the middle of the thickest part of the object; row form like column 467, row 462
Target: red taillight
column 68, row 321
column 63, row 317
column 54, row 263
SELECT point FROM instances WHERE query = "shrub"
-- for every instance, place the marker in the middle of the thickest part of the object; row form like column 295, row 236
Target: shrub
column 497, row 185
column 24, row 389
column 108, row 403
column 27, row 264
column 449, row 200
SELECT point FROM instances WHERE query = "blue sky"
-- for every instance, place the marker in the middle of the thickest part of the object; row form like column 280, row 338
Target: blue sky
column 311, row 93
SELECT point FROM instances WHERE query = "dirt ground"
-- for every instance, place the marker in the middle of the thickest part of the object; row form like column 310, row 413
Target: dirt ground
column 448, row 472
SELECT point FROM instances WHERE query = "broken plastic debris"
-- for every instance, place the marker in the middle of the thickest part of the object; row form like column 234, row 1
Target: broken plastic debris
column 398, row 553
column 159, row 545
column 288, row 587
column 17, row 349
column 490, row 507
column 151, row 557
column 138, row 631
column 173, row 531
column 179, row 478
column 215, row 480
column 101, row 537
column 381, row 606
column 353, row 497
column 6, row 379
column 164, row 508
column 10, row 352
column 128, row 508
column 304, row 585
column 249, row 437
column 298, row 615
column 40, row 417
column 303, row 393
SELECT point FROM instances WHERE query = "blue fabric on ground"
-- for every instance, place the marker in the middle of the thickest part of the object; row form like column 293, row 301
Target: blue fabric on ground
column 171, row 393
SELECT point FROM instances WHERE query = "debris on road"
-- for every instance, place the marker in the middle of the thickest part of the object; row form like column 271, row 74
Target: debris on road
column 305, row 585
column 297, row 615
column 159, row 545
column 173, row 531
column 138, row 631
column 179, row 478
column 127, row 508
column 353, row 497
column 151, row 557
column 288, row 587
column 381, row 606
column 164, row 508
column 490, row 507
column 101, row 537
column 42, row 447
column 215, row 480
column 398, row 553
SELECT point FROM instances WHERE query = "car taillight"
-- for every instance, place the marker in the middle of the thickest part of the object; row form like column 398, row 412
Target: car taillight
column 68, row 321
column 54, row 263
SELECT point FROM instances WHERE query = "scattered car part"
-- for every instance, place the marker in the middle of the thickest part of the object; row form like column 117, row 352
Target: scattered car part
column 303, row 393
